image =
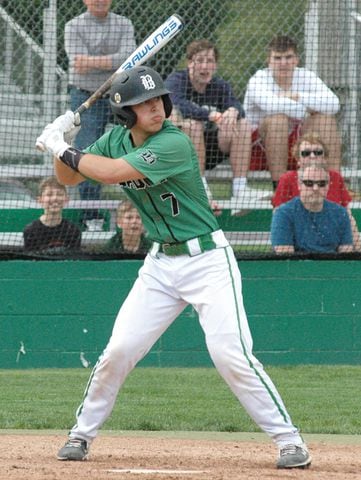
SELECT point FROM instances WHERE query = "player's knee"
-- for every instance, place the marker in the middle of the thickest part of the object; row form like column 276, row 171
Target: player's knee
column 224, row 348
column 126, row 349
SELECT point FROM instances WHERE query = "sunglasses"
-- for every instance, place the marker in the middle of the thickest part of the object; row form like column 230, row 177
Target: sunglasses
column 307, row 153
column 311, row 183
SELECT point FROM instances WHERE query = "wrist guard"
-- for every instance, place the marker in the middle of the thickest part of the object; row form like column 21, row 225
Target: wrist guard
column 71, row 157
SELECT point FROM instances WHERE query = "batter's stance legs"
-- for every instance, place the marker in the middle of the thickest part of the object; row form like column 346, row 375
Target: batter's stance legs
column 152, row 305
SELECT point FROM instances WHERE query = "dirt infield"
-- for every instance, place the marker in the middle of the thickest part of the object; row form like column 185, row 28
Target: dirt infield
column 150, row 457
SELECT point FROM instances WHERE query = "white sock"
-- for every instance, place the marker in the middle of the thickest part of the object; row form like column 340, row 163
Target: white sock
column 207, row 189
column 239, row 183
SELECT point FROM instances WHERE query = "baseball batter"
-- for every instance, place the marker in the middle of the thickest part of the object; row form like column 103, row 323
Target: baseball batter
column 190, row 262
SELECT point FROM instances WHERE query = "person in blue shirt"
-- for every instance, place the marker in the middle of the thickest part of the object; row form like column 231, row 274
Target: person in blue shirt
column 206, row 109
column 310, row 223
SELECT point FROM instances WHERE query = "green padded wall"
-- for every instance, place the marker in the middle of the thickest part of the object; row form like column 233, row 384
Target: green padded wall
column 52, row 314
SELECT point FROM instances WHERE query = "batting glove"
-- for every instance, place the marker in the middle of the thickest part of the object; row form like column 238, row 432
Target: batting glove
column 52, row 137
column 69, row 136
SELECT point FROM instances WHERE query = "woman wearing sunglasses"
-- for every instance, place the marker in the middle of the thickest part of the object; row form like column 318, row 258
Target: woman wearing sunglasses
column 311, row 148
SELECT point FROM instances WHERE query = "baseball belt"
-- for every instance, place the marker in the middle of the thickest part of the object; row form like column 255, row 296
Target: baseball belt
column 191, row 247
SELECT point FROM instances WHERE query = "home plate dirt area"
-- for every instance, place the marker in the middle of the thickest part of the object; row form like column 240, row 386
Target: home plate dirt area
column 32, row 456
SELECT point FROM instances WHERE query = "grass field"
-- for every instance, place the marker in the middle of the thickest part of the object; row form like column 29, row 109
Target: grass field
column 320, row 399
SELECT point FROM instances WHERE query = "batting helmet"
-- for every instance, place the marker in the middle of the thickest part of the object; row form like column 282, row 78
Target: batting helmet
column 135, row 86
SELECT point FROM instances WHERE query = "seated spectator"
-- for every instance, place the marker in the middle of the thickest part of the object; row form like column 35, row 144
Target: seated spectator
column 51, row 231
column 205, row 107
column 284, row 101
column 310, row 223
column 311, row 148
column 130, row 236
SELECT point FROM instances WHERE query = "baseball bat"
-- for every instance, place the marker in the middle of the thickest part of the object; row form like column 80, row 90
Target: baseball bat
column 144, row 52
column 151, row 45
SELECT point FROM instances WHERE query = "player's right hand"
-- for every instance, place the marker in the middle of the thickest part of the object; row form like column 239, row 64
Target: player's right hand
column 52, row 137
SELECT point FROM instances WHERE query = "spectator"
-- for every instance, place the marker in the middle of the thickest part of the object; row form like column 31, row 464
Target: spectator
column 130, row 237
column 311, row 148
column 51, row 231
column 205, row 107
column 283, row 101
column 96, row 43
column 310, row 223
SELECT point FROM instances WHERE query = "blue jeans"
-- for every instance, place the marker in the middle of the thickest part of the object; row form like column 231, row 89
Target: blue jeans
column 93, row 123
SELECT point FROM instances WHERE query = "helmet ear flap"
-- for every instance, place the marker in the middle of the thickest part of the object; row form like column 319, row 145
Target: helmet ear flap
column 126, row 117
column 167, row 102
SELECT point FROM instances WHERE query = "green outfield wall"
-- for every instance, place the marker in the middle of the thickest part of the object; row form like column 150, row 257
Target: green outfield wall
column 60, row 313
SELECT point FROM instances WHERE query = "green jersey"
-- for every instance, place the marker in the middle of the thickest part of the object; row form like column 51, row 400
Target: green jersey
column 171, row 199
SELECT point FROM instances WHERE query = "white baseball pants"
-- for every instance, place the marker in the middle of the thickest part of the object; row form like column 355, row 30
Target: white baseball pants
column 211, row 282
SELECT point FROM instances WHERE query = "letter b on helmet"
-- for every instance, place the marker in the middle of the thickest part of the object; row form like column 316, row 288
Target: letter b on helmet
column 135, row 86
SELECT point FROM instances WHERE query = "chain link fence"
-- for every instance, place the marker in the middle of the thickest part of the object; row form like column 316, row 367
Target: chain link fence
column 34, row 83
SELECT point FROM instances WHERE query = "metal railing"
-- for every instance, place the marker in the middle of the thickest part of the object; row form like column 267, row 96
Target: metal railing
column 32, row 86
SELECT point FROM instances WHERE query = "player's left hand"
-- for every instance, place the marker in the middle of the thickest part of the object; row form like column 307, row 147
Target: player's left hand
column 52, row 137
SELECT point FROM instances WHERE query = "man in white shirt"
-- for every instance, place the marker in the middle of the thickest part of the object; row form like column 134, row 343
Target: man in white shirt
column 283, row 101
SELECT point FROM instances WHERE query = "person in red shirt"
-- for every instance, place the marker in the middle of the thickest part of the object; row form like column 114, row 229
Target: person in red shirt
column 311, row 147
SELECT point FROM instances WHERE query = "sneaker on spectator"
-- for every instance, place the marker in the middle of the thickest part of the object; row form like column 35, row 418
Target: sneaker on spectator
column 255, row 193
column 247, row 198
column 268, row 195
column 247, row 192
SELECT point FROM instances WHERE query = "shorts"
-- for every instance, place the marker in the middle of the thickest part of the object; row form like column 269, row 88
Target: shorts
column 214, row 155
column 258, row 156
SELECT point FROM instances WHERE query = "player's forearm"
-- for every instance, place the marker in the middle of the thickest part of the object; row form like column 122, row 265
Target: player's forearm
column 107, row 170
column 77, row 165
column 65, row 174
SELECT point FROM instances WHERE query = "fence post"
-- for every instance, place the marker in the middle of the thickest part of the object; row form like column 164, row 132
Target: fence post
column 353, row 89
column 311, row 36
column 49, row 65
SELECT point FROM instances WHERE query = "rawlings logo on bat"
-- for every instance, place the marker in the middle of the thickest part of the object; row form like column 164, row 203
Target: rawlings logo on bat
column 166, row 33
